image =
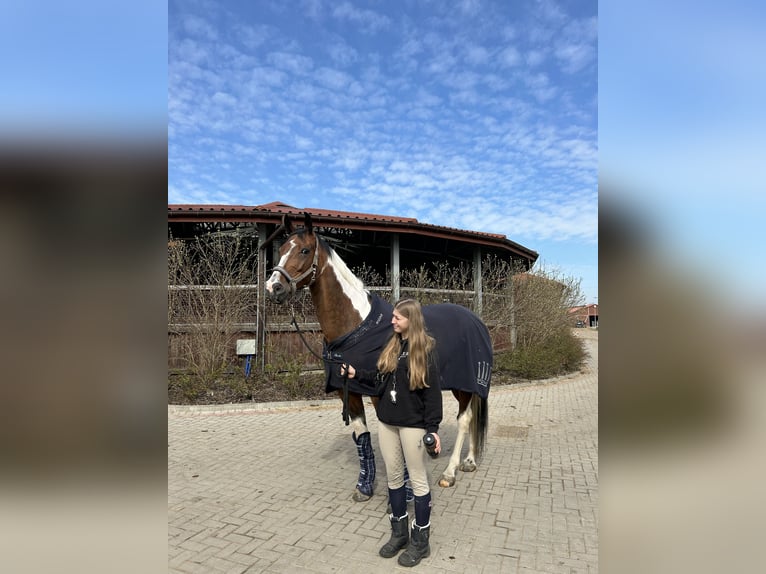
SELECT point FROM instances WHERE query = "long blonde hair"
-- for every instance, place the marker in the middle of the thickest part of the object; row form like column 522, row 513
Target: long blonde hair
column 421, row 344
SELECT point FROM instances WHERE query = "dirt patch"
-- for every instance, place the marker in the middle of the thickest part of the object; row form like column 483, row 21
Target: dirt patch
column 515, row 432
column 586, row 333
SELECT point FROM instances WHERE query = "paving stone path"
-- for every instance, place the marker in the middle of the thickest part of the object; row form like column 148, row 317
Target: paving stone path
column 267, row 488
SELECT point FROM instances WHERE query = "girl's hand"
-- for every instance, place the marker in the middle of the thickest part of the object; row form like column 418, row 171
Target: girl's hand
column 351, row 370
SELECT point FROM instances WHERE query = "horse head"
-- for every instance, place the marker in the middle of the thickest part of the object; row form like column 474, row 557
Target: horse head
column 298, row 261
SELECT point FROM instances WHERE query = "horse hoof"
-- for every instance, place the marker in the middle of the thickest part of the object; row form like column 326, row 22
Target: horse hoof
column 360, row 497
column 468, row 466
column 447, row 481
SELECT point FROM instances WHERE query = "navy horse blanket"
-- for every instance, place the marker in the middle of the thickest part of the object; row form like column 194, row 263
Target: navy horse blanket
column 463, row 347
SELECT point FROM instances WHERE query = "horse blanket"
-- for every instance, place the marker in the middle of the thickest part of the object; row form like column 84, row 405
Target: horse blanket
column 360, row 348
column 463, row 346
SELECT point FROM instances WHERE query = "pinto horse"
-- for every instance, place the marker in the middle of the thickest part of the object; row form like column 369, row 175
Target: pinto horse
column 356, row 325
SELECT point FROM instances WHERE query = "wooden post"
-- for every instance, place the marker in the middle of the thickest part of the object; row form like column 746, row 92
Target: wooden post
column 512, row 318
column 395, row 270
column 260, row 319
column 478, row 303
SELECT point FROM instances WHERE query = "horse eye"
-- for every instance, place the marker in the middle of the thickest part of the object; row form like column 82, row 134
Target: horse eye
column 305, row 251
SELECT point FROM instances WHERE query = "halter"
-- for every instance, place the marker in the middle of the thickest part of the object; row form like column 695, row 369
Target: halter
column 293, row 283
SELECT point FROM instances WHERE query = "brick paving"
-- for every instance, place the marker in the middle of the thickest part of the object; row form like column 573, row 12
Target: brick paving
column 267, row 488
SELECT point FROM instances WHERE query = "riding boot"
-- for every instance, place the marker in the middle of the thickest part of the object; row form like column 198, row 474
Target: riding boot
column 366, row 455
column 399, row 536
column 418, row 547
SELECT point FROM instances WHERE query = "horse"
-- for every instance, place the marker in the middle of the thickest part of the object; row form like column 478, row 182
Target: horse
column 356, row 324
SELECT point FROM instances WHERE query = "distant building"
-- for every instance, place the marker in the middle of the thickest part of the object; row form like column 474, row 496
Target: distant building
column 584, row 315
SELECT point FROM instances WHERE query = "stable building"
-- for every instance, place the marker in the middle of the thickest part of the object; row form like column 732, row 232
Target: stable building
column 384, row 244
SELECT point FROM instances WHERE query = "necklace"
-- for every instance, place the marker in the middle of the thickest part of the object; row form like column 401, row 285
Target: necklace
column 403, row 355
column 393, row 391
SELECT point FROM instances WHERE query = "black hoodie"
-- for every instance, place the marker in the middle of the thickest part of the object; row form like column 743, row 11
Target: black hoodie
column 421, row 408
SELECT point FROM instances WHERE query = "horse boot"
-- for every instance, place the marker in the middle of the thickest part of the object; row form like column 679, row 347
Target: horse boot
column 418, row 547
column 400, row 536
column 366, row 481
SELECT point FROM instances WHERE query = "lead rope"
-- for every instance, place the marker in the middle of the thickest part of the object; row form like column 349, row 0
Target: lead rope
column 346, row 417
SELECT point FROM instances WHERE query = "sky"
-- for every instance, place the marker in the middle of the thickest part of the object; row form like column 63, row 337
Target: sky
column 479, row 115
column 83, row 69
column 681, row 138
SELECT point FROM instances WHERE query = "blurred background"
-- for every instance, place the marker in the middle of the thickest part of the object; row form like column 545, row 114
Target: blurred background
column 83, row 187
column 683, row 313
column 83, row 182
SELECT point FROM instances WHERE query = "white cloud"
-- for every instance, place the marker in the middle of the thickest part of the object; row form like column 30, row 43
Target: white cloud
column 198, row 27
column 576, row 45
column 342, row 54
column 302, row 143
column 469, row 7
column 574, row 57
column 534, row 57
column 223, row 99
column 475, row 54
column 332, row 79
column 369, row 21
column 540, row 87
column 290, row 62
column 252, row 36
column 509, row 57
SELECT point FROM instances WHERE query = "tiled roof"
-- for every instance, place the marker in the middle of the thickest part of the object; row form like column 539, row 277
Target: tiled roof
column 279, row 208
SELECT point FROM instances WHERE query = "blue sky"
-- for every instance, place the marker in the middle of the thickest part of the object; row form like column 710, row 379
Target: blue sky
column 83, row 68
column 681, row 136
column 478, row 115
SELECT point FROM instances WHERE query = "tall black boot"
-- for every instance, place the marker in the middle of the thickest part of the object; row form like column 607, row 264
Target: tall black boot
column 399, row 536
column 418, row 547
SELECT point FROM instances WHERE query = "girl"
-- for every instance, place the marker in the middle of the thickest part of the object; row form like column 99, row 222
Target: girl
column 409, row 405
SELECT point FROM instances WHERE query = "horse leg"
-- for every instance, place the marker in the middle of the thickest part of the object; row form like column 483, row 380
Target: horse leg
column 469, row 462
column 477, row 433
column 463, row 428
column 361, row 435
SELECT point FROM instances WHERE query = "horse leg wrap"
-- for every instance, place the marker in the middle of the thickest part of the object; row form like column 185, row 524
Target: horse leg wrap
column 366, row 463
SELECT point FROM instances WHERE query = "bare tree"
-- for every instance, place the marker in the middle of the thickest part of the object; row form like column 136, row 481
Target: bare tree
column 542, row 299
column 210, row 295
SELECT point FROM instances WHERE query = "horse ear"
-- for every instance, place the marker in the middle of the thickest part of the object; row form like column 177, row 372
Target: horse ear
column 287, row 224
column 307, row 219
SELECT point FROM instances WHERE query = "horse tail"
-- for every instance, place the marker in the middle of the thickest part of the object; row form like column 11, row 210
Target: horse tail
column 479, row 424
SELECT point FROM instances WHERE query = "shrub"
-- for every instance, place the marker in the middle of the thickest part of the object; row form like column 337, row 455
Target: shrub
column 558, row 354
column 184, row 387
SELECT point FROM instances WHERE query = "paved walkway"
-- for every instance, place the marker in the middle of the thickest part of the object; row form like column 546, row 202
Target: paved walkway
column 267, row 488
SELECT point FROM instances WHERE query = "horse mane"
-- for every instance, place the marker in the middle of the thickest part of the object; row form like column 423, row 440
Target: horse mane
column 340, row 267
column 342, row 271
